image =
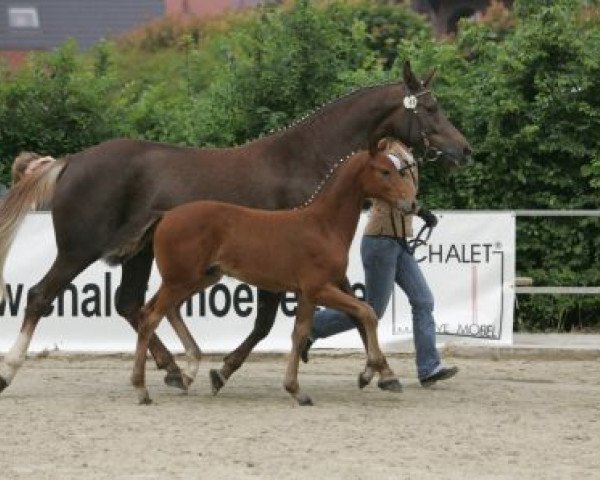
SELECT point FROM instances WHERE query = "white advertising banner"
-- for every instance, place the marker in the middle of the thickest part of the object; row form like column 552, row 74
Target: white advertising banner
column 469, row 263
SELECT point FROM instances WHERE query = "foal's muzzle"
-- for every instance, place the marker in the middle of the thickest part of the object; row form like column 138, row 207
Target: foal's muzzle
column 406, row 206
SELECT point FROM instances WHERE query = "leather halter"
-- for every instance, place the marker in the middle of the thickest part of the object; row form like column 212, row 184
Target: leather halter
column 425, row 230
column 411, row 103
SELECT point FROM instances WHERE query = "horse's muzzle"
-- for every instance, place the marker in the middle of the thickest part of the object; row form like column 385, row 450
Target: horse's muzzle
column 457, row 157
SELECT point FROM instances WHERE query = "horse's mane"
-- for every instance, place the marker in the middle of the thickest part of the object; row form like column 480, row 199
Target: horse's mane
column 323, row 108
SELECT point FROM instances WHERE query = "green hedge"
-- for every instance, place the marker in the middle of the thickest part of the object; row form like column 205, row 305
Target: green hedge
column 524, row 87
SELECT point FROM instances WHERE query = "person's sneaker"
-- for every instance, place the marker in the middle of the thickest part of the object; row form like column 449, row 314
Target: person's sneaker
column 305, row 348
column 440, row 373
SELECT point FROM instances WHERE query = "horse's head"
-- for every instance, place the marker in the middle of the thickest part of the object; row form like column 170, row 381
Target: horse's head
column 390, row 178
column 420, row 122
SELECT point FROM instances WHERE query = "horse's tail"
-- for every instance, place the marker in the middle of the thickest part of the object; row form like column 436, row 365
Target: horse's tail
column 32, row 190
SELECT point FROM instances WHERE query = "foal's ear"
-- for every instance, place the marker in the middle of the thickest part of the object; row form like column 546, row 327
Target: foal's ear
column 409, row 77
column 377, row 144
column 429, row 77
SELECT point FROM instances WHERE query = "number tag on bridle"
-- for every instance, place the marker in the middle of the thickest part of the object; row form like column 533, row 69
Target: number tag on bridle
column 410, row 102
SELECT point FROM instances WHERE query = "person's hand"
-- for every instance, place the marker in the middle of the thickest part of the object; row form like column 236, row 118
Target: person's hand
column 428, row 217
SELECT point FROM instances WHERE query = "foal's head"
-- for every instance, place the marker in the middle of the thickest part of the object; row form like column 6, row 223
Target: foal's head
column 390, row 178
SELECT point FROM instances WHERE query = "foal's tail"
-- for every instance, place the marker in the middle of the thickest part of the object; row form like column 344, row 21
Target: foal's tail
column 32, row 190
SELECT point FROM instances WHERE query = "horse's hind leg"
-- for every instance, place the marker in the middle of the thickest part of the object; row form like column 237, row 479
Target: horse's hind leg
column 268, row 303
column 129, row 301
column 39, row 299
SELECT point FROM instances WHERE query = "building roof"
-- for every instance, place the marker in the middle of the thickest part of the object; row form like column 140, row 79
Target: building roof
column 87, row 21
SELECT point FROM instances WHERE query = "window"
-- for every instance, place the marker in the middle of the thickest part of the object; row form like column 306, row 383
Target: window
column 23, row 17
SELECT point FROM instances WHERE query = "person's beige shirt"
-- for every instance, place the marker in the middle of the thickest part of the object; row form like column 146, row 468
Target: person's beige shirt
column 380, row 220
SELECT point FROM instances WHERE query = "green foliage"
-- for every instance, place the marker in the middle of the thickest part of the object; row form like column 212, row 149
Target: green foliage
column 529, row 102
column 56, row 105
column 524, row 87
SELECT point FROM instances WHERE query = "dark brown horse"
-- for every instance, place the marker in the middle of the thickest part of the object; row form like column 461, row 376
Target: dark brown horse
column 303, row 250
column 103, row 198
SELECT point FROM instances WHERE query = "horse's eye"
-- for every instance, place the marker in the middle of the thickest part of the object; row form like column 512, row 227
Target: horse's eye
column 385, row 173
column 432, row 108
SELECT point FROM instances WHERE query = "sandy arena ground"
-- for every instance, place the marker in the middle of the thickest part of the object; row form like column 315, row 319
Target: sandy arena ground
column 77, row 418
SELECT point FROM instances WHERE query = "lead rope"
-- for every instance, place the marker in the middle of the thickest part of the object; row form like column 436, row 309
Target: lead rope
column 425, row 231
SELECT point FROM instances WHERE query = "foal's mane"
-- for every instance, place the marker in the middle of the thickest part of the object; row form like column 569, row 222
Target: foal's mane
column 334, row 168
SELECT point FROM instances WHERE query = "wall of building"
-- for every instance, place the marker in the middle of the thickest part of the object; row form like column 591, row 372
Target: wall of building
column 205, row 7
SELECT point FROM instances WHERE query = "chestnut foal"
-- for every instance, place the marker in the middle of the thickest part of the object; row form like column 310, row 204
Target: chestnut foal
column 303, row 250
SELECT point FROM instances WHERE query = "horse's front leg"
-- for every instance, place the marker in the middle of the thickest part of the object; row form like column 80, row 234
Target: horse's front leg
column 332, row 297
column 302, row 327
column 268, row 303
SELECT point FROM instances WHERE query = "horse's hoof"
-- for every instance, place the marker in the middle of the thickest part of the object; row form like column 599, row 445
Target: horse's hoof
column 175, row 380
column 364, row 379
column 305, row 400
column 3, row 384
column 390, row 385
column 217, row 380
column 187, row 381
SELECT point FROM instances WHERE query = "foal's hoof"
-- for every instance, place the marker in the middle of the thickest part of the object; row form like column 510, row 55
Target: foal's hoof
column 390, row 385
column 305, row 400
column 144, row 398
column 364, row 378
column 3, row 384
column 217, row 380
column 175, row 379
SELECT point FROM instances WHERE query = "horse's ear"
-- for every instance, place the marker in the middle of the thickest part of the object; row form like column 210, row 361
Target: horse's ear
column 429, row 77
column 409, row 77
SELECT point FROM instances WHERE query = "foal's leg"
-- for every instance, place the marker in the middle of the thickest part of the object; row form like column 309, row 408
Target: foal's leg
column 332, row 297
column 268, row 302
column 129, row 301
column 192, row 350
column 39, row 300
column 302, row 327
column 347, row 288
column 168, row 299
column 148, row 321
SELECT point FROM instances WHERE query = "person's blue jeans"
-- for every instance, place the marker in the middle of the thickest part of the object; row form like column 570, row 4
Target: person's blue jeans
column 386, row 261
